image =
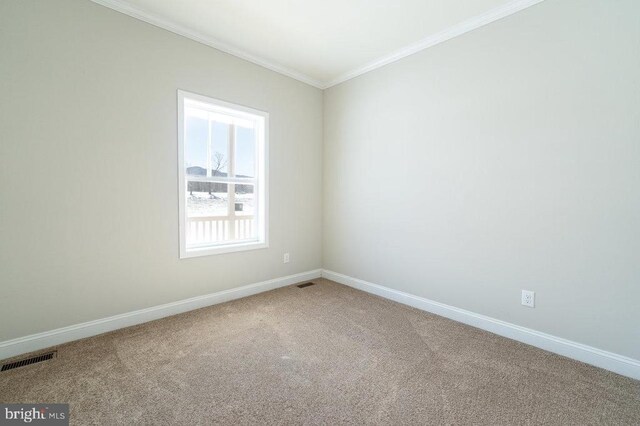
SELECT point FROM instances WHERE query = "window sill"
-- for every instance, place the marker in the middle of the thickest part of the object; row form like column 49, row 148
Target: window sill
column 227, row 248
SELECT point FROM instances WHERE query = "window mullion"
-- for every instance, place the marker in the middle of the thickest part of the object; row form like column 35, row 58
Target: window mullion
column 209, row 146
column 231, row 187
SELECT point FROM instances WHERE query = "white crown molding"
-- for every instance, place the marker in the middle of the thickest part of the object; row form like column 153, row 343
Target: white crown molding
column 608, row 360
column 34, row 342
column 454, row 31
column 127, row 9
column 432, row 40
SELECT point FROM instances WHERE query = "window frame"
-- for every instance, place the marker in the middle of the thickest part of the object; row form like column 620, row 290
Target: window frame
column 261, row 181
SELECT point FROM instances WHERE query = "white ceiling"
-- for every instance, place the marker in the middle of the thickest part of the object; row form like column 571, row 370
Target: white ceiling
column 319, row 42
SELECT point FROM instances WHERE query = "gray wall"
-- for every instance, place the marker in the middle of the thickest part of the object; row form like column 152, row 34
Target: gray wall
column 88, row 176
column 504, row 159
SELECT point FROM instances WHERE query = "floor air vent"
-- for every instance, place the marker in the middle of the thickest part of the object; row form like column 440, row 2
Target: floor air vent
column 305, row 285
column 28, row 361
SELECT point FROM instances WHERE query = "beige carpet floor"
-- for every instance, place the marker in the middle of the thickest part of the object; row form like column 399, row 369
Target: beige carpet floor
column 325, row 354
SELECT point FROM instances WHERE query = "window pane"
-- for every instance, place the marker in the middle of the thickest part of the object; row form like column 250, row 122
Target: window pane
column 207, row 199
column 219, row 149
column 207, row 220
column 245, row 200
column 245, row 211
column 195, row 145
column 245, row 152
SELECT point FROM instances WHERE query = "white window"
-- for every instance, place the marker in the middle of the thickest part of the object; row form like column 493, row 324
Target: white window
column 223, row 176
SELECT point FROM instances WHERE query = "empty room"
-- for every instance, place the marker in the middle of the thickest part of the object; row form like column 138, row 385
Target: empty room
column 299, row 212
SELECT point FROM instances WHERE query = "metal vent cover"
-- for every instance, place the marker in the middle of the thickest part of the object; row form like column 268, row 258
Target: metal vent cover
column 305, row 285
column 28, row 361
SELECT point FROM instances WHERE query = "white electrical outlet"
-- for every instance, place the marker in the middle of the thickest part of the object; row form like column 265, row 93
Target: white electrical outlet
column 285, row 259
column 528, row 298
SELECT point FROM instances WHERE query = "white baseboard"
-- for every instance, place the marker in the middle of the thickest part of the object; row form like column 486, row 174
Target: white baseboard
column 609, row 361
column 34, row 342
